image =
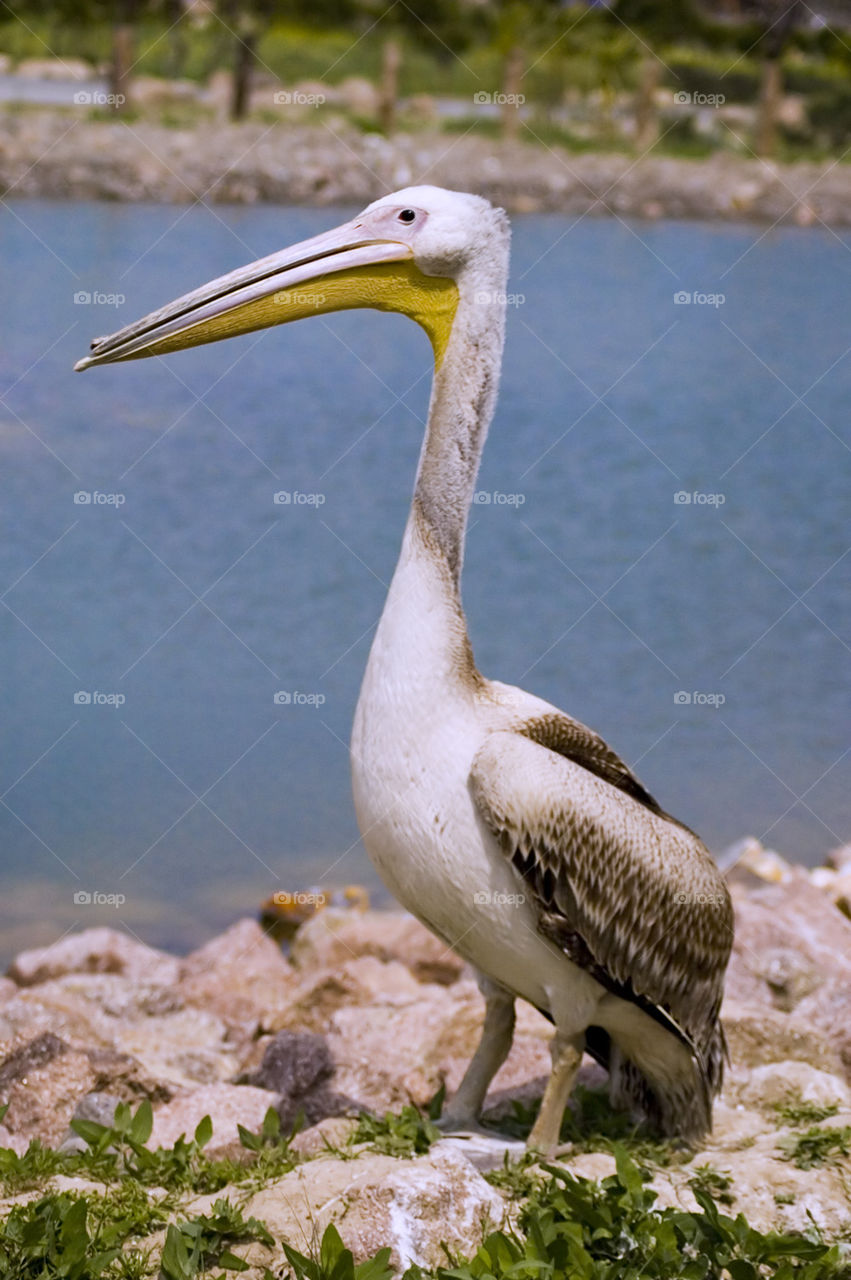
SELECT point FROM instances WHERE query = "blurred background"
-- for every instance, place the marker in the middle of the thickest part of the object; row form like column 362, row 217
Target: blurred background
column 195, row 550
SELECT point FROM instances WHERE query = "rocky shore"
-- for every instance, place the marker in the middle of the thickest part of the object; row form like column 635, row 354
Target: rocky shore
column 369, row 1013
column 69, row 155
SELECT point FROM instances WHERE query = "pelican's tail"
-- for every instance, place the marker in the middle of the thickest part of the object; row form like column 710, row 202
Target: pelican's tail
column 680, row 1106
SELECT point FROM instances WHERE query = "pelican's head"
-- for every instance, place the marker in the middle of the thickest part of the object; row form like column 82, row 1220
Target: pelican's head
column 417, row 251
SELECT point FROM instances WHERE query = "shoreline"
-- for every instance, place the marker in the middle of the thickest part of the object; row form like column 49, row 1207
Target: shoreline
column 56, row 155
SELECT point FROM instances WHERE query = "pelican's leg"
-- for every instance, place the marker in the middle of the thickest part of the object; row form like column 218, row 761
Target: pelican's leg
column 493, row 1049
column 567, row 1055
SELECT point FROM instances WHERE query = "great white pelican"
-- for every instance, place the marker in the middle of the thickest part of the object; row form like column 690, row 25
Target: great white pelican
column 508, row 828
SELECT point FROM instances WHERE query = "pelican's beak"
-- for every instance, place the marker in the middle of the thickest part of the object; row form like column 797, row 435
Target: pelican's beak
column 334, row 271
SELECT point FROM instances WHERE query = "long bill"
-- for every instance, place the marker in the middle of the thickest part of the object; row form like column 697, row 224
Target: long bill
column 335, row 271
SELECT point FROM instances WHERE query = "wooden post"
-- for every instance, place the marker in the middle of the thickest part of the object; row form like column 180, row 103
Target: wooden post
column 391, row 59
column 646, row 111
column 513, row 68
column 244, row 61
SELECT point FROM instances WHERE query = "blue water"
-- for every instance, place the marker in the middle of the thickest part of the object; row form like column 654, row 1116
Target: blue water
column 198, row 597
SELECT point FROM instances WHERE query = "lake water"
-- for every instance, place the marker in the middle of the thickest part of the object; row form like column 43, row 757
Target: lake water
column 197, row 598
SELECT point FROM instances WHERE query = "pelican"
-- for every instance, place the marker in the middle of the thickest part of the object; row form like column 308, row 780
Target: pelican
column 515, row 833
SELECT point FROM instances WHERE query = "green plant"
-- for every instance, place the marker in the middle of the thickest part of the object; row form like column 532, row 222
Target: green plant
column 335, row 1262
column 816, row 1146
column 408, row 1134
column 800, row 1112
column 714, row 1182
column 191, row 1247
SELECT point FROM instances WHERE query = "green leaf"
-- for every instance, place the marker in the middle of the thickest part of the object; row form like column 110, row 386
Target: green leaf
column 271, row 1129
column 175, row 1263
column 252, row 1141
column 231, row 1262
column 435, row 1106
column 142, row 1123
column 203, row 1131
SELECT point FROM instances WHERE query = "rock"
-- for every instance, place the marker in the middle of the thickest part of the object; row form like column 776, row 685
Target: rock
column 227, row 1104
column 298, row 1068
column 839, row 859
column 758, row 1035
column 484, row 1151
column 328, row 1135
column 777, row 1083
column 99, row 1107
column 333, row 936
column 8, row 989
column 42, row 1081
column 749, row 862
column 360, row 96
column 357, row 982
column 101, row 950
column 420, row 1208
column 241, row 975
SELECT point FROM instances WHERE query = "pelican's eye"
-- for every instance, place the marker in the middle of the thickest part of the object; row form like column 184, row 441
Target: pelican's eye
column 407, row 215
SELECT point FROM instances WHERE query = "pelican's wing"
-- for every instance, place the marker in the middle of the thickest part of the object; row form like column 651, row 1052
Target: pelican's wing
column 629, row 894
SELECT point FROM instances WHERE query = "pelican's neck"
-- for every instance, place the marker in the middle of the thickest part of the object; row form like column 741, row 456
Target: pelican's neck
column 463, row 399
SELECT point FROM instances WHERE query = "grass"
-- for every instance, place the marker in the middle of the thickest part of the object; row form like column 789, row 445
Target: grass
column 567, row 1227
column 817, row 1146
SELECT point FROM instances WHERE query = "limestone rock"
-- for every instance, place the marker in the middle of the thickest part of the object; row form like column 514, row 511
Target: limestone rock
column 100, row 950
column 241, row 975
column 42, row 1081
column 758, row 1035
column 334, row 936
column 227, row 1104
column 777, row 1083
column 413, row 1206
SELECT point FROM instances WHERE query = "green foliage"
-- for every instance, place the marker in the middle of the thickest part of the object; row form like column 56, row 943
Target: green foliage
column 335, row 1261
column 816, row 1146
column 713, row 1182
column 191, row 1247
column 51, row 1237
column 408, row 1134
column 799, row 1113
column 571, row 1227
